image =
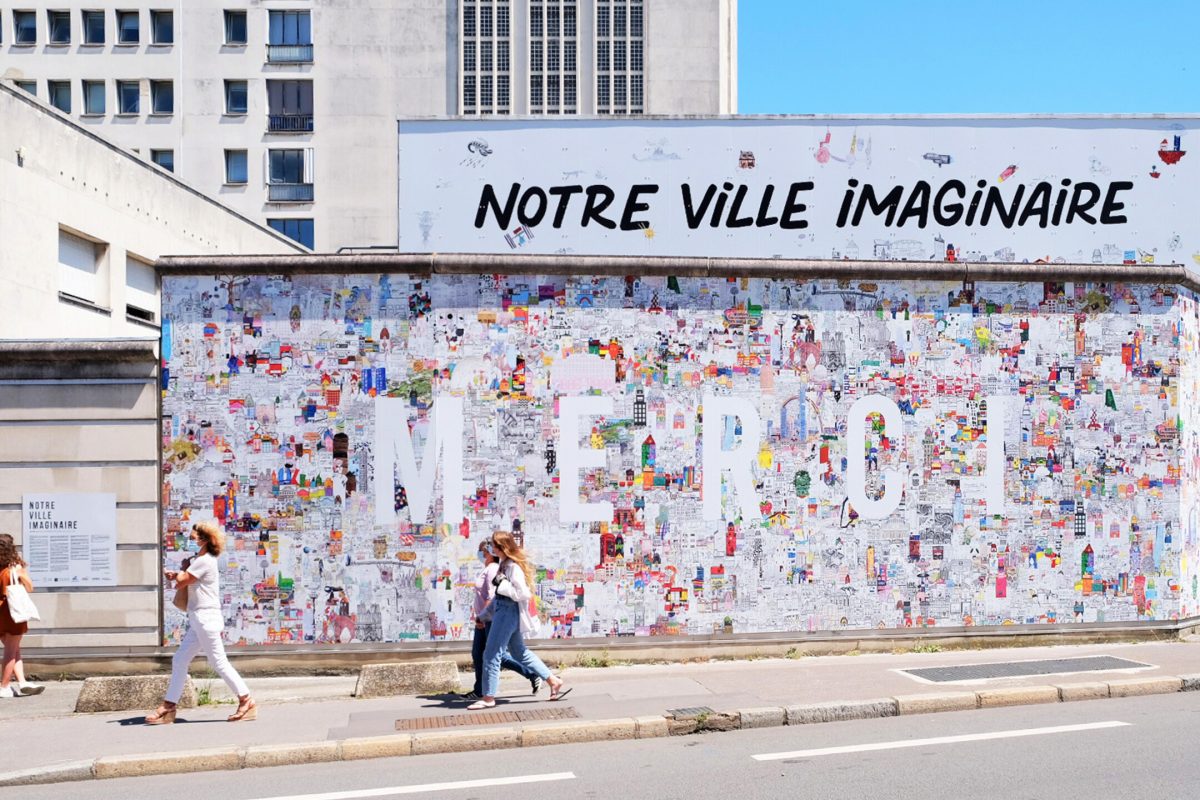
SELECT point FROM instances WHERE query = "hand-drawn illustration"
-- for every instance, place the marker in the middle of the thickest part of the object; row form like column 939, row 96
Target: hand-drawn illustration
column 1045, row 440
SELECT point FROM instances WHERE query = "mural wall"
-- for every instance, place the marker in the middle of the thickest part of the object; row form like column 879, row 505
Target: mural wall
column 879, row 455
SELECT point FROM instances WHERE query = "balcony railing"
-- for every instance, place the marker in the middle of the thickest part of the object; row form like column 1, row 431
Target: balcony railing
column 290, row 53
column 290, row 123
column 290, row 193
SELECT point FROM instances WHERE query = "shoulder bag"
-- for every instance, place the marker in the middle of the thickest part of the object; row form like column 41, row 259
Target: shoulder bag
column 20, row 605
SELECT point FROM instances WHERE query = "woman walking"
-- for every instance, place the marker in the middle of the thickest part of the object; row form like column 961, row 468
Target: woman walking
column 11, row 632
column 485, row 593
column 205, row 624
column 511, row 620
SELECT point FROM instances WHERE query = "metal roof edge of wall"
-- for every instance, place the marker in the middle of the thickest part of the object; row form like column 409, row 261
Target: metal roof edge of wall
column 798, row 269
column 43, row 350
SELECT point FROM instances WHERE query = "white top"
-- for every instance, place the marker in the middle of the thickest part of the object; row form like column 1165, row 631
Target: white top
column 204, row 595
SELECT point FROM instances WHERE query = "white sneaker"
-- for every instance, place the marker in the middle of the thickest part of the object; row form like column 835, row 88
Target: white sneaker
column 29, row 689
column 6, row 692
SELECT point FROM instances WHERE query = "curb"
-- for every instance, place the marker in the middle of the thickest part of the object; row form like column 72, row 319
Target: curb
column 541, row 734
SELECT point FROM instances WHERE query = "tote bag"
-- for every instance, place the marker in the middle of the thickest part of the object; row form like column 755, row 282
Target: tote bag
column 20, row 604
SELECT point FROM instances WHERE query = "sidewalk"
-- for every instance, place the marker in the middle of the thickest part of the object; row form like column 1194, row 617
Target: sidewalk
column 309, row 710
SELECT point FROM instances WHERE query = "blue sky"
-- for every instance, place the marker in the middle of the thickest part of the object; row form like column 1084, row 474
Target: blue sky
column 968, row 56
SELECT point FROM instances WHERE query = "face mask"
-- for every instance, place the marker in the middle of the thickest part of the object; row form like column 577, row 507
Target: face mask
column 482, row 557
column 191, row 545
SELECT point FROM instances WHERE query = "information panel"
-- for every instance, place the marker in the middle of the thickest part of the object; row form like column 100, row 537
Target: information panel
column 71, row 539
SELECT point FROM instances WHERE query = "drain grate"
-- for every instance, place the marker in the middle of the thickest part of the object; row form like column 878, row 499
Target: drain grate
column 687, row 713
column 485, row 718
column 1020, row 669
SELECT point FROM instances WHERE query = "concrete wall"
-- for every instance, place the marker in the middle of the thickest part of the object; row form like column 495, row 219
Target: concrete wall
column 82, row 416
column 58, row 176
column 1024, row 469
column 691, row 56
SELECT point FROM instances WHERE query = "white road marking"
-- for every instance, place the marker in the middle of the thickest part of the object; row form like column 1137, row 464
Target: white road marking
column 968, row 737
column 387, row 791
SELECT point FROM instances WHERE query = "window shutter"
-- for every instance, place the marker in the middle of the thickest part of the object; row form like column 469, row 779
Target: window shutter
column 266, row 167
column 308, row 165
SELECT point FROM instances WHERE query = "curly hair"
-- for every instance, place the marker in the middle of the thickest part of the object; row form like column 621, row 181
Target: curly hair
column 8, row 552
column 210, row 533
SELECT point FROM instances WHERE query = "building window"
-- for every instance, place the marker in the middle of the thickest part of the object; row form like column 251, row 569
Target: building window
column 236, row 167
column 300, row 230
column 24, row 27
column 619, row 99
column 503, row 90
column 128, row 27
column 287, row 166
column 569, row 56
column 636, row 28
column 636, row 91
column 141, row 290
column 469, row 91
column 502, row 20
column 552, row 20
column 619, row 19
column 469, row 19
column 93, row 97
column 468, row 56
column 485, row 56
column 290, row 37
column 59, row 23
column 129, row 95
column 502, row 62
column 29, row 86
column 535, row 20
column 636, row 60
column 81, row 268
column 535, row 56
column 235, row 27
column 485, row 91
column 603, row 98
column 552, row 64
column 162, row 27
column 290, row 27
column 552, row 97
column 60, row 95
column 602, row 61
column 236, row 95
column 93, row 27
column 535, row 90
column 485, row 20
column 619, row 56
column 569, row 20
column 162, row 97
column 164, row 158
column 602, row 22
column 290, row 106
column 569, row 91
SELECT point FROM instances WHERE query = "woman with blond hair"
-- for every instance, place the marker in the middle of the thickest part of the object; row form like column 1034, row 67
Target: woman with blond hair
column 12, row 570
column 511, row 622
column 205, row 623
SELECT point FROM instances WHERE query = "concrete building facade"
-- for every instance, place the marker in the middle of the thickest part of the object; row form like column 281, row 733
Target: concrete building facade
column 83, row 222
column 286, row 111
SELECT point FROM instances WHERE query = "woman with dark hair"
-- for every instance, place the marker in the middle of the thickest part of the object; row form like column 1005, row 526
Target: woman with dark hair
column 511, row 621
column 205, row 623
column 11, row 632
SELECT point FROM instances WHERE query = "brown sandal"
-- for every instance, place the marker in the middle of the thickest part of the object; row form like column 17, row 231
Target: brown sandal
column 246, row 712
column 162, row 716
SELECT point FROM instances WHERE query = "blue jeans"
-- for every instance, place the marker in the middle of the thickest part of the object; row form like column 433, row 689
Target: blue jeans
column 478, row 644
column 505, row 634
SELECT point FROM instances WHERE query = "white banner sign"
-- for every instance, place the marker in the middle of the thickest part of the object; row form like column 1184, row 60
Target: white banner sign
column 71, row 539
column 1114, row 190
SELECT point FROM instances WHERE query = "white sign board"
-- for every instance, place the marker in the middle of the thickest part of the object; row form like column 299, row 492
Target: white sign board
column 1107, row 190
column 71, row 539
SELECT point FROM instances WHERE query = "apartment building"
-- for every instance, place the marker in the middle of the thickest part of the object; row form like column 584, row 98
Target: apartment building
column 285, row 110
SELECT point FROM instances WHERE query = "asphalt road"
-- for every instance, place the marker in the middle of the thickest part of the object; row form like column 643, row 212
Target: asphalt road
column 1131, row 748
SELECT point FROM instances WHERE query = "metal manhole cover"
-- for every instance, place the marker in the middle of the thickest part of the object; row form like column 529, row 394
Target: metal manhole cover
column 486, row 718
column 693, row 711
column 1020, row 669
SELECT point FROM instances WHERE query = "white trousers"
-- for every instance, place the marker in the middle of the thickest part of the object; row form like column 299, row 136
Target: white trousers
column 203, row 636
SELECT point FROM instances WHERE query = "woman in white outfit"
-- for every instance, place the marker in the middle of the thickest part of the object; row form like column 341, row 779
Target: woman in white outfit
column 205, row 624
